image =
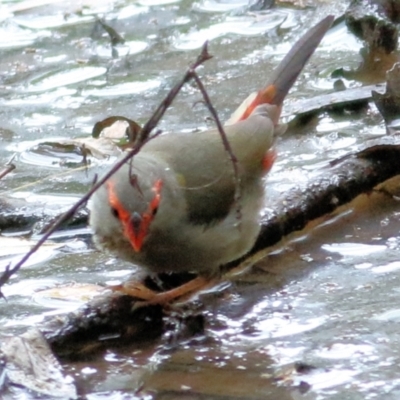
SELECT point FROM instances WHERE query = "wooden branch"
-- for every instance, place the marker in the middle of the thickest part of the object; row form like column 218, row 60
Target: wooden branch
column 338, row 184
column 114, row 319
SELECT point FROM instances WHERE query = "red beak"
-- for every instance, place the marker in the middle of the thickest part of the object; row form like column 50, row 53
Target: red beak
column 136, row 231
column 135, row 225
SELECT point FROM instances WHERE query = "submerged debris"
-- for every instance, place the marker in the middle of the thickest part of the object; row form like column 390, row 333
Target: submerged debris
column 374, row 21
column 388, row 103
column 27, row 361
column 339, row 184
column 106, row 321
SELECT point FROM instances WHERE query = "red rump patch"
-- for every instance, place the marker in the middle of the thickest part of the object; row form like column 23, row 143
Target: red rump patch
column 264, row 96
column 269, row 159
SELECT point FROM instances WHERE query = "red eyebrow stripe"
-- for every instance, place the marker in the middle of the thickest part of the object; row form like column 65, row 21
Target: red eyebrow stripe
column 123, row 215
column 135, row 237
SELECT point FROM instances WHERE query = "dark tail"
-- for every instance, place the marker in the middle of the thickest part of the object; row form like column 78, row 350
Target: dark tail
column 290, row 67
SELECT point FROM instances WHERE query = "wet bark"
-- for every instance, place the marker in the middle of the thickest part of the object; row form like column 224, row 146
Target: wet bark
column 114, row 319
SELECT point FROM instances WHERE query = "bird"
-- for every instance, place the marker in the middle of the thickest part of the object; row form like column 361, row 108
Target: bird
column 184, row 203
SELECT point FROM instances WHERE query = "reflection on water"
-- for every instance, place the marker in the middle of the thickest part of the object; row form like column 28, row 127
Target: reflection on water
column 235, row 25
column 326, row 301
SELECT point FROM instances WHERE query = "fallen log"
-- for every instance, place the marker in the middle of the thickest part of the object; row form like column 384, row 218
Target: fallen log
column 115, row 319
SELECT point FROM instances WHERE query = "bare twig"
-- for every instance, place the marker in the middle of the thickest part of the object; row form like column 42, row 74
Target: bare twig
column 8, row 168
column 115, row 37
column 142, row 138
column 224, row 139
column 157, row 115
column 68, row 214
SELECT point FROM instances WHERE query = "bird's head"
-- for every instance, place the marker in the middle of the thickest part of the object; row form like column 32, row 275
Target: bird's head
column 135, row 221
column 137, row 203
column 138, row 207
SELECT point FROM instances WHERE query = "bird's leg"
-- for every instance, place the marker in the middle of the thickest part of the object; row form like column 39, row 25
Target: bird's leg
column 148, row 296
column 135, row 289
column 187, row 288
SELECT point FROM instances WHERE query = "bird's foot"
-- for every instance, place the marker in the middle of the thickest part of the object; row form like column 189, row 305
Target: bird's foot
column 185, row 290
column 149, row 297
column 135, row 289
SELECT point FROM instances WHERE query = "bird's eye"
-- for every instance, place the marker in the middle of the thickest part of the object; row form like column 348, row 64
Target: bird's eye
column 154, row 211
column 114, row 212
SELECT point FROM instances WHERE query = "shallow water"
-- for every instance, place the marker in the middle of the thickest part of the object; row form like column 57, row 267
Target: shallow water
column 326, row 298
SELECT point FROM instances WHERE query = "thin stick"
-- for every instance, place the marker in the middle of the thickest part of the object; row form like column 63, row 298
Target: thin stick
column 164, row 105
column 143, row 137
column 8, row 168
column 225, row 142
